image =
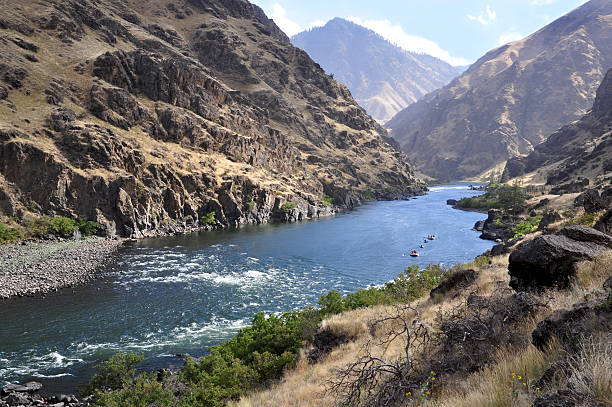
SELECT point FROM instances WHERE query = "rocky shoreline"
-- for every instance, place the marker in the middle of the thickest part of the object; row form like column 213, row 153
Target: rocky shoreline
column 36, row 267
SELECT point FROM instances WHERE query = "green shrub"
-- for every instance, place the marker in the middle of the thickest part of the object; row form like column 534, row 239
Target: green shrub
column 114, row 373
column 208, row 219
column 529, row 226
column 62, row 226
column 332, row 303
column 8, row 234
column 87, row 228
column 327, row 200
column 415, row 282
column 143, row 391
column 287, row 207
column 369, row 196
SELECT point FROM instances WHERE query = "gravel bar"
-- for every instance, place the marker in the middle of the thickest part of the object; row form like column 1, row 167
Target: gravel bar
column 32, row 268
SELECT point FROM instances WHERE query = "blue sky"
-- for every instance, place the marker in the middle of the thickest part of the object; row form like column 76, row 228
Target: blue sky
column 457, row 31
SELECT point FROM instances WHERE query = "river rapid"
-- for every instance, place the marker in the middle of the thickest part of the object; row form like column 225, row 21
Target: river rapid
column 167, row 296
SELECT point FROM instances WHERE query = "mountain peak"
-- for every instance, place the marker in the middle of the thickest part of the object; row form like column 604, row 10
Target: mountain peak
column 383, row 77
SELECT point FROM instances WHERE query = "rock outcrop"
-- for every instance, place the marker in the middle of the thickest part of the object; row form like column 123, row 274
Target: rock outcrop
column 164, row 113
column 511, row 99
column 382, row 77
column 549, row 260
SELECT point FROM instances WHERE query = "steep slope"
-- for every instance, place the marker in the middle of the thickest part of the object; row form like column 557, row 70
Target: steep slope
column 582, row 149
column 382, row 77
column 512, row 98
column 147, row 115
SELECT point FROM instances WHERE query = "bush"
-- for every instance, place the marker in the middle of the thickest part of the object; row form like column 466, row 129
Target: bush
column 497, row 197
column 62, row 226
column 115, row 372
column 144, row 391
column 287, row 207
column 529, row 226
column 208, row 219
column 327, row 200
column 87, row 228
column 8, row 234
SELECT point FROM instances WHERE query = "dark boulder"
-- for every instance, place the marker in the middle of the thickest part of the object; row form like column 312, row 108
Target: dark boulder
column 549, row 260
column 604, row 224
column 571, row 326
column 451, row 202
column 592, row 201
column 456, row 281
column 479, row 226
column 500, row 250
column 548, row 219
column 3, row 93
column 586, row 234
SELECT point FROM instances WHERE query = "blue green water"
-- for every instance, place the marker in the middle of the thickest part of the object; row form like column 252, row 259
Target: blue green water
column 175, row 295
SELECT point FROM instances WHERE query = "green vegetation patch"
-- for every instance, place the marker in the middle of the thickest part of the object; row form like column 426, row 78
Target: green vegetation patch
column 8, row 234
column 287, row 207
column 529, row 226
column 208, row 219
column 497, row 197
column 327, row 200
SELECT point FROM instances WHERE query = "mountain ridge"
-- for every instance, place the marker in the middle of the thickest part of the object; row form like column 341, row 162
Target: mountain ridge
column 382, row 77
column 511, row 99
column 147, row 116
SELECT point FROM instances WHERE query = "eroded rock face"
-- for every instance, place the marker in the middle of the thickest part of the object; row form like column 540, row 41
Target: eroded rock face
column 549, row 260
column 176, row 121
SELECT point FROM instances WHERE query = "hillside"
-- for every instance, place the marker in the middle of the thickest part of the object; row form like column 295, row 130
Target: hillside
column 580, row 150
column 382, row 77
column 511, row 99
column 147, row 116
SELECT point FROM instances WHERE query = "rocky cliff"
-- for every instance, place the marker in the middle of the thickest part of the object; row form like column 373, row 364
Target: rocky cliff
column 147, row 115
column 581, row 150
column 511, row 99
column 382, row 77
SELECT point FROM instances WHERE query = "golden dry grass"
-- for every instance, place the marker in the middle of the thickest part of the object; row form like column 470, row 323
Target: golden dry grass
column 495, row 386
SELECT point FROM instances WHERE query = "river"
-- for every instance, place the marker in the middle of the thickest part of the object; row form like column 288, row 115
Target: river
column 175, row 295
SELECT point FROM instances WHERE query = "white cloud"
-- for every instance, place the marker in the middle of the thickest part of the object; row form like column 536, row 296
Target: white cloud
column 396, row 35
column 510, row 37
column 316, row 23
column 279, row 15
column 486, row 17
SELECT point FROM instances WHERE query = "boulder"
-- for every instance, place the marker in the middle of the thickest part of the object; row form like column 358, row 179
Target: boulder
column 586, row 234
column 451, row 202
column 500, row 250
column 604, row 224
column 3, row 92
column 592, row 201
column 571, row 326
column 549, row 218
column 549, row 260
column 479, row 226
column 456, row 281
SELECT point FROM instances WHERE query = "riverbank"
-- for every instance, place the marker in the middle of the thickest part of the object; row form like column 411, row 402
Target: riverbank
column 37, row 267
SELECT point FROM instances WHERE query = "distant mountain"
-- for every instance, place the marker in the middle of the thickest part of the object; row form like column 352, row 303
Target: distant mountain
column 382, row 77
column 511, row 99
column 582, row 149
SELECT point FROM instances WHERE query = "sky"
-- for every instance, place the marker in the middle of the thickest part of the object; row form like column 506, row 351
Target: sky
column 456, row 31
